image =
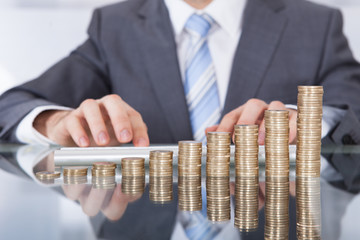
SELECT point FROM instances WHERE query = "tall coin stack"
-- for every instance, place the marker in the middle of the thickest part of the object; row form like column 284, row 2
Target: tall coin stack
column 308, row 208
column 133, row 175
column 246, row 150
column 247, row 203
column 161, row 172
column 189, row 171
column 217, row 176
column 277, row 208
column 309, row 131
column 104, row 175
column 277, row 160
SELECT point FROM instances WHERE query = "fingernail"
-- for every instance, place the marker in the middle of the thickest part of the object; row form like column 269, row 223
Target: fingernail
column 102, row 138
column 83, row 142
column 125, row 135
column 142, row 142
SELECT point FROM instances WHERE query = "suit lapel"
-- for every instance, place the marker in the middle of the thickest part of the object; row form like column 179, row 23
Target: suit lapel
column 262, row 30
column 161, row 63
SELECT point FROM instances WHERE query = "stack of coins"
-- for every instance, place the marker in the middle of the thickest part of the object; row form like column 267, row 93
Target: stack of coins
column 218, row 198
column 277, row 208
column 161, row 171
column 218, row 154
column 189, row 158
column 133, row 175
column 189, row 192
column 103, row 169
column 161, row 163
column 277, row 159
column 246, row 203
column 309, row 131
column 246, row 150
column 75, row 175
column 47, row 177
column 308, row 208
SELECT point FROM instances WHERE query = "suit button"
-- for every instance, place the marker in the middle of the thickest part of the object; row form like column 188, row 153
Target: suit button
column 347, row 140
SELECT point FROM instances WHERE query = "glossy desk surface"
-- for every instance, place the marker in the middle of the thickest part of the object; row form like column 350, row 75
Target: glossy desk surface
column 31, row 209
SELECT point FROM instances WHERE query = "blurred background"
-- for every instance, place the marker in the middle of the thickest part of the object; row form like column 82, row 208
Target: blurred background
column 34, row 34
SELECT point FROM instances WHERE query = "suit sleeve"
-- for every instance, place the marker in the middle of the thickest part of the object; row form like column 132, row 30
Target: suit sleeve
column 83, row 74
column 340, row 75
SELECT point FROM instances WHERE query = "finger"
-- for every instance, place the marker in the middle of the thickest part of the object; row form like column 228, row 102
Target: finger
column 274, row 105
column 253, row 110
column 292, row 125
column 117, row 205
column 139, row 129
column 211, row 129
column 119, row 118
column 229, row 120
column 76, row 130
column 93, row 116
column 94, row 201
column 73, row 191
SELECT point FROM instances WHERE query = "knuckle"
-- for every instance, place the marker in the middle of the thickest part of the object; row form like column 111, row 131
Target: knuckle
column 255, row 102
column 276, row 104
column 88, row 102
column 113, row 97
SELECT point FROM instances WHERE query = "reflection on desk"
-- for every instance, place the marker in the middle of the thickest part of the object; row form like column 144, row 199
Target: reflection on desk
column 120, row 208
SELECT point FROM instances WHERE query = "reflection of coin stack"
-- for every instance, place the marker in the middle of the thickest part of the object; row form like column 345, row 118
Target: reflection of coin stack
column 189, row 158
column 277, row 143
column 189, row 192
column 277, row 208
column 133, row 175
column 218, row 198
column 103, row 175
column 308, row 208
column 247, row 203
column 246, row 150
column 218, row 154
column 309, row 131
column 217, row 176
column 75, row 175
column 161, row 170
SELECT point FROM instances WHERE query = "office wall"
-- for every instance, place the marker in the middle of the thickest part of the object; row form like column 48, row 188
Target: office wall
column 37, row 33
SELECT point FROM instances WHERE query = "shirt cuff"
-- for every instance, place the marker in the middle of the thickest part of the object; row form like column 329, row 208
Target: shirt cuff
column 331, row 117
column 26, row 133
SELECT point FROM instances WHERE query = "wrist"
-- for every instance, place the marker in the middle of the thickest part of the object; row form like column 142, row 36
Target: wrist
column 47, row 120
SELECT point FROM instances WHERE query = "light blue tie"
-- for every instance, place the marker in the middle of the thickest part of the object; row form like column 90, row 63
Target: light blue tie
column 200, row 78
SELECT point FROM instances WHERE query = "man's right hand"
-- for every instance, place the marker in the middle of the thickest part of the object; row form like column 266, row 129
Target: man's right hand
column 102, row 122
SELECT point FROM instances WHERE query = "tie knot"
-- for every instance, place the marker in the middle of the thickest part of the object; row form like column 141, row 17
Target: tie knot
column 199, row 24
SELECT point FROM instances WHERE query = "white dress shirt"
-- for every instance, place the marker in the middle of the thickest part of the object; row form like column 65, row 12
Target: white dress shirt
column 222, row 41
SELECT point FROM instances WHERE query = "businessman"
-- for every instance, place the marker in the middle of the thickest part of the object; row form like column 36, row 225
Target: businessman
column 161, row 71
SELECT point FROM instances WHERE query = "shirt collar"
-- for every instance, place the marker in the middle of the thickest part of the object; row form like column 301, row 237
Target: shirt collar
column 227, row 13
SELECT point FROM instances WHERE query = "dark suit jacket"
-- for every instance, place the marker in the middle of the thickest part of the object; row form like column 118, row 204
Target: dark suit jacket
column 131, row 52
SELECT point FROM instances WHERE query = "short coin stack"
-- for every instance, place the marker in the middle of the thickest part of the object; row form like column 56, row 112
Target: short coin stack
column 104, row 175
column 103, row 169
column 47, row 177
column 133, row 175
column 189, row 158
column 308, row 208
column 247, row 203
column 309, row 131
column 246, row 150
column 277, row 208
column 189, row 171
column 189, row 193
column 161, row 172
column 217, row 176
column 75, row 175
column 277, row 143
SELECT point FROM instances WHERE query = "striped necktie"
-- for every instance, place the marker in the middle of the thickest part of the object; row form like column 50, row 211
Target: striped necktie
column 200, row 79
